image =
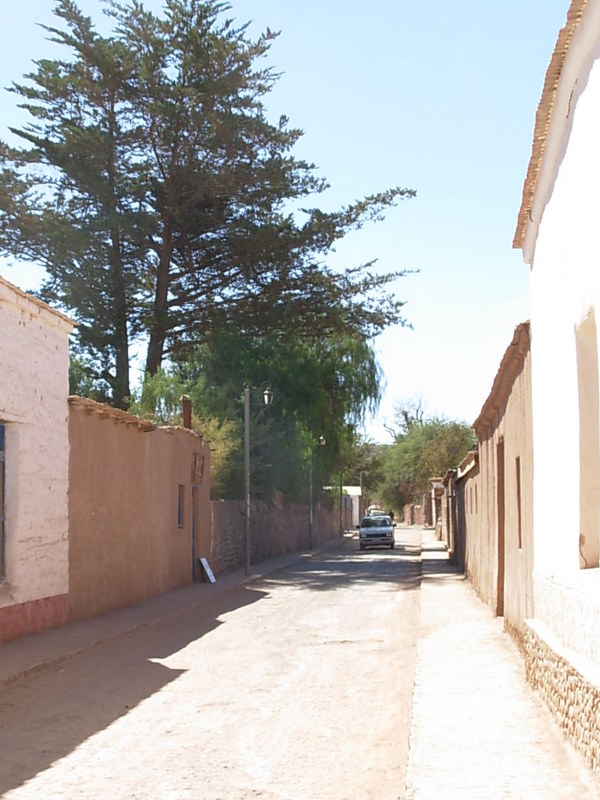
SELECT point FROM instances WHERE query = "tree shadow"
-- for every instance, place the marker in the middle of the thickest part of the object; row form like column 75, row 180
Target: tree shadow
column 334, row 570
column 46, row 716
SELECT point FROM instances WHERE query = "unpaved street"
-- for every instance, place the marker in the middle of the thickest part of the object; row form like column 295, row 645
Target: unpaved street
column 294, row 686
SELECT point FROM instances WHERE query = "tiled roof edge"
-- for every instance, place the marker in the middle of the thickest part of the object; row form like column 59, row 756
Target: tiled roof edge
column 509, row 367
column 543, row 116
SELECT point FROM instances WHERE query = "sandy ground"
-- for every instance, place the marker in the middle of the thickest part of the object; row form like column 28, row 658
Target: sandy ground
column 294, row 686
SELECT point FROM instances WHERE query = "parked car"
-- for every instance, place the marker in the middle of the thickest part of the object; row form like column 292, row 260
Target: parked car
column 376, row 531
column 375, row 511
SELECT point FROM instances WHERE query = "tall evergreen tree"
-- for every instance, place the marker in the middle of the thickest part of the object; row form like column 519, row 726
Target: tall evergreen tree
column 162, row 201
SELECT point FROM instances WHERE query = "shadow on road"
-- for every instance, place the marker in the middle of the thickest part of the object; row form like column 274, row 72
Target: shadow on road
column 436, row 564
column 45, row 717
column 403, row 568
column 345, row 565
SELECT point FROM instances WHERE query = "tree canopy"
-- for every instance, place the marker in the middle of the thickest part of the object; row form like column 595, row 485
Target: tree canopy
column 424, row 448
column 320, row 390
column 166, row 206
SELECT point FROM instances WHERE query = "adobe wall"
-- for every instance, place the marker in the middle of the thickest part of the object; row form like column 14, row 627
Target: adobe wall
column 467, row 537
column 499, row 559
column 274, row 531
column 445, row 522
column 127, row 539
column 482, row 552
column 33, row 408
column 414, row 514
column 426, row 513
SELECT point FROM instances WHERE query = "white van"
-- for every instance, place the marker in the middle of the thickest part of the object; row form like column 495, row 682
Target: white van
column 376, row 530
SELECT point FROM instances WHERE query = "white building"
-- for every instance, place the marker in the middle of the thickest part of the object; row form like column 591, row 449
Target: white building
column 559, row 233
column 34, row 545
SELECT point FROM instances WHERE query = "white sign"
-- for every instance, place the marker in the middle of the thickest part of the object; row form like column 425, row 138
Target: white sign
column 208, row 571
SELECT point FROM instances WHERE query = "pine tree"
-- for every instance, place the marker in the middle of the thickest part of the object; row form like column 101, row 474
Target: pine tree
column 162, row 201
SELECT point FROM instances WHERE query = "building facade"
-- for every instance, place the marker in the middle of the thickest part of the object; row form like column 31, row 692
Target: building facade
column 139, row 508
column 559, row 236
column 34, row 464
column 499, row 557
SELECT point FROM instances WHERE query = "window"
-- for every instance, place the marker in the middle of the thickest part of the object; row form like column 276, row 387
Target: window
column 180, row 504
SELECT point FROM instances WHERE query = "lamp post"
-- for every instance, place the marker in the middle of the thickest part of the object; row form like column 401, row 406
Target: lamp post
column 268, row 399
column 322, row 442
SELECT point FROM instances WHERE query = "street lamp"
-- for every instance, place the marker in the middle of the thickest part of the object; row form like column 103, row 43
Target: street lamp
column 268, row 396
column 322, row 442
column 268, row 399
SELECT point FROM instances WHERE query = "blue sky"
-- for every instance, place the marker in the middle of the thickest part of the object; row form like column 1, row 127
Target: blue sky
column 435, row 96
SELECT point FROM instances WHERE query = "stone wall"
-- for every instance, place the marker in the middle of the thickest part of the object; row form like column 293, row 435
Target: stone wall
column 274, row 530
column 569, row 688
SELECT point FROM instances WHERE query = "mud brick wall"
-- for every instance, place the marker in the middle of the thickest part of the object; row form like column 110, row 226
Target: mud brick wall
column 413, row 514
column 573, row 699
column 273, row 531
column 419, row 515
column 139, row 507
column 427, row 511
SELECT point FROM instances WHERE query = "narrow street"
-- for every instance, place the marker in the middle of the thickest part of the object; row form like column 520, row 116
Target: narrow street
column 296, row 685
column 337, row 675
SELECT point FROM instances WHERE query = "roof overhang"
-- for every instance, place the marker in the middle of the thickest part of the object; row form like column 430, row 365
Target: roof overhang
column 551, row 118
column 510, row 366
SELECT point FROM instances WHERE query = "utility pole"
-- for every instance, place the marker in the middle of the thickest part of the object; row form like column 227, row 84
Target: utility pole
column 247, row 476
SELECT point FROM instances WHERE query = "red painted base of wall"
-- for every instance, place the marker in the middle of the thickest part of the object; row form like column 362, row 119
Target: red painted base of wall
column 33, row 617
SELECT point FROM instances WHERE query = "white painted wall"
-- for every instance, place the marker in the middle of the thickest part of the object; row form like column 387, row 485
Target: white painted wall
column 33, row 405
column 563, row 246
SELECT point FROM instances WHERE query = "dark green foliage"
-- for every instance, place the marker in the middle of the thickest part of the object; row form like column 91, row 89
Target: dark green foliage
column 423, row 449
column 363, row 465
column 166, row 206
column 318, row 389
column 82, row 382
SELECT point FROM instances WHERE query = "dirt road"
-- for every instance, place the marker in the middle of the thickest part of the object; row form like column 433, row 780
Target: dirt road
column 294, row 686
